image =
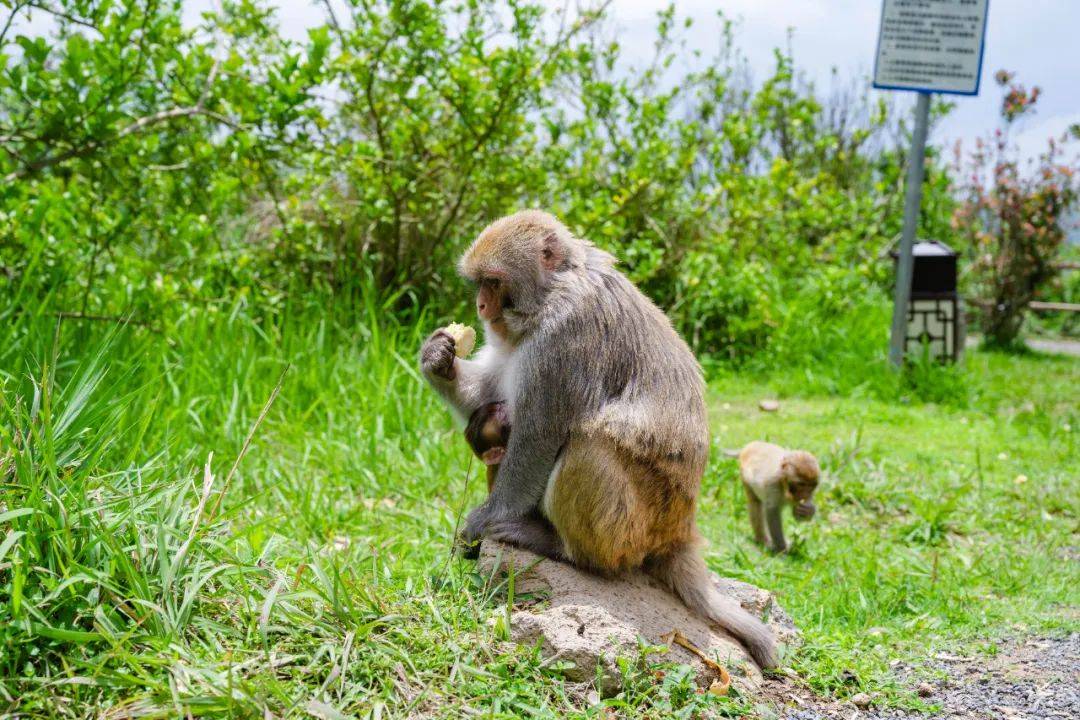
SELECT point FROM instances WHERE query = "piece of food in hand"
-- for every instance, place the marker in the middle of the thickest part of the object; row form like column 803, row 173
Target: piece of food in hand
column 464, row 338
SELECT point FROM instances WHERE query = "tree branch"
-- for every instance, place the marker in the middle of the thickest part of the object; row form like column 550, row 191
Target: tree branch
column 11, row 19
column 139, row 124
column 63, row 15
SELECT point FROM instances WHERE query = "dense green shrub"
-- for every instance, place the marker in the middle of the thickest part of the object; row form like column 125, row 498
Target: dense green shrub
column 156, row 170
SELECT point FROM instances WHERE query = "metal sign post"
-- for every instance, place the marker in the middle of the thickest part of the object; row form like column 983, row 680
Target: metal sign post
column 912, row 200
column 926, row 46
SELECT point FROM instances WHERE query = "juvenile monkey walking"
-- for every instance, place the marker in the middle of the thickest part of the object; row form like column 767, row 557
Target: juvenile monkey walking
column 774, row 477
column 606, row 402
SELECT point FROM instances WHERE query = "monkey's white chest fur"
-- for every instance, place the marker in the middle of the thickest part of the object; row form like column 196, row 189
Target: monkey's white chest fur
column 508, row 382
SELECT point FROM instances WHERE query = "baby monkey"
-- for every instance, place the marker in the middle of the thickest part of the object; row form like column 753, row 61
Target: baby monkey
column 487, row 433
column 773, row 476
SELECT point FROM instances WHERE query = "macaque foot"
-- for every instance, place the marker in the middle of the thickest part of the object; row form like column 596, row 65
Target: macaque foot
column 533, row 533
column 468, row 550
column 476, row 525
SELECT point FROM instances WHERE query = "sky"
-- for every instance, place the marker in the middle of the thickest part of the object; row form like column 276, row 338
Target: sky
column 1036, row 38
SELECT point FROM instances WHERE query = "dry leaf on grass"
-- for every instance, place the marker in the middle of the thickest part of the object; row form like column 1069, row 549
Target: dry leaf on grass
column 722, row 684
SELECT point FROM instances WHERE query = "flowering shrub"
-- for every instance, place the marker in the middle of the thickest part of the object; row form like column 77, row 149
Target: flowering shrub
column 1013, row 217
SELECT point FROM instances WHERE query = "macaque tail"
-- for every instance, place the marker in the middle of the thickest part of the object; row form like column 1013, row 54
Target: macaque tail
column 685, row 573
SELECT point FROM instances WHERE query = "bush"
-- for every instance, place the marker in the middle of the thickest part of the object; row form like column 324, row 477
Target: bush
column 134, row 145
column 1013, row 219
column 158, row 171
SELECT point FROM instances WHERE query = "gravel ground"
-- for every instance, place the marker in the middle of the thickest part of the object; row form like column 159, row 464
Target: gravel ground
column 1029, row 679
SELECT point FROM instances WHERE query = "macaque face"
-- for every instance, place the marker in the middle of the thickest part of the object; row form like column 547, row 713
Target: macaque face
column 800, row 493
column 488, row 432
column 492, row 301
column 513, row 276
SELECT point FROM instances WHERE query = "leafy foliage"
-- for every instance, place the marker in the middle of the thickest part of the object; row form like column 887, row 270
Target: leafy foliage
column 132, row 143
column 157, row 169
column 1014, row 218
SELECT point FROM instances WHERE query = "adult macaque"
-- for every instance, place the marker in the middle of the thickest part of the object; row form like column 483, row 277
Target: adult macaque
column 774, row 477
column 606, row 402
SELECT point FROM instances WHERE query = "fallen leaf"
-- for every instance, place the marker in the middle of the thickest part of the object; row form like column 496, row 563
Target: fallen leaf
column 323, row 711
column 723, row 682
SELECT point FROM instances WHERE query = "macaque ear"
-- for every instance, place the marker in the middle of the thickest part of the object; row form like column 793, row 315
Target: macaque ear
column 493, row 456
column 552, row 253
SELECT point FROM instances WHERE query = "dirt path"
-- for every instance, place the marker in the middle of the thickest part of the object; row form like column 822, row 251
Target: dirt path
column 1057, row 346
column 1028, row 679
column 1061, row 346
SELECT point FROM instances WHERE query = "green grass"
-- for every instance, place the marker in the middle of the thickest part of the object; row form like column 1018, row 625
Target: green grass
column 323, row 583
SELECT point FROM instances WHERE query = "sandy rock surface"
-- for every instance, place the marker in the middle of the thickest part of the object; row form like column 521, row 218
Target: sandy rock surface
column 589, row 620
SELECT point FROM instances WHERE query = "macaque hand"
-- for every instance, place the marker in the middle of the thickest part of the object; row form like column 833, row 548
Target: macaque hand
column 476, row 526
column 803, row 511
column 437, row 356
column 493, row 456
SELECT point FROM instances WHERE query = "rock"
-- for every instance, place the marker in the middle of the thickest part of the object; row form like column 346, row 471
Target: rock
column 925, row 690
column 860, row 700
column 589, row 621
column 769, row 405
